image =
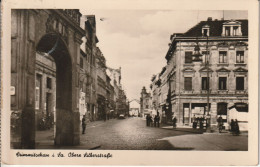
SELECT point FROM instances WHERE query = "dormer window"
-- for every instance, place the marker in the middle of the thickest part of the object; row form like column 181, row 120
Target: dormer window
column 205, row 31
column 231, row 28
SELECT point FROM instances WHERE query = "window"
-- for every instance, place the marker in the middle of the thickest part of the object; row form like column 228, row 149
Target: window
column 235, row 30
column 188, row 83
column 222, row 57
column 188, row 57
column 205, row 55
column 205, row 32
column 239, row 83
column 48, row 85
column 222, row 84
column 81, row 62
column 240, row 57
column 205, row 83
column 227, row 31
column 147, row 106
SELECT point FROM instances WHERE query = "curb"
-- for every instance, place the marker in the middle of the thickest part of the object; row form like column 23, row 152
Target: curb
column 191, row 131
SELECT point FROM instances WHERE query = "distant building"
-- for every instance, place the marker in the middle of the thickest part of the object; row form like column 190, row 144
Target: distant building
column 145, row 102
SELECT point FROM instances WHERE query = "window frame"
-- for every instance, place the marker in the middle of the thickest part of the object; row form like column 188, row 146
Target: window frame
column 203, row 80
column 238, row 85
column 186, row 57
column 240, row 55
column 188, row 83
column 224, row 87
column 222, row 57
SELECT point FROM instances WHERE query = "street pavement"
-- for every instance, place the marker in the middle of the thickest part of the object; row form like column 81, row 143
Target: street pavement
column 133, row 134
column 129, row 134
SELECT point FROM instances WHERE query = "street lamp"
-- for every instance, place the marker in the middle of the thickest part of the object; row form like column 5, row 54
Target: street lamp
column 197, row 57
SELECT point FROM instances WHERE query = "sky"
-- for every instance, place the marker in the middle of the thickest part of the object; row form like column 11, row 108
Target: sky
column 137, row 40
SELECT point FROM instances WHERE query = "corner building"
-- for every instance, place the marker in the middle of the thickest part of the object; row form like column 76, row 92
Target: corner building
column 226, row 44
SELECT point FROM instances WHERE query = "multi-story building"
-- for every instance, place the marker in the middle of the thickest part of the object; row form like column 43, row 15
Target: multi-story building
column 101, row 85
column 224, row 44
column 88, row 50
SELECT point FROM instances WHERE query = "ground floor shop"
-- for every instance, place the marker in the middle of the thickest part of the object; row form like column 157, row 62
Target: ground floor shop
column 187, row 110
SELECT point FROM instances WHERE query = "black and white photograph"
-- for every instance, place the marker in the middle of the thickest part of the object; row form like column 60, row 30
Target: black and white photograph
column 156, row 80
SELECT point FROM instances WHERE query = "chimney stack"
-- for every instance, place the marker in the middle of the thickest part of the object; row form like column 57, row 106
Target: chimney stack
column 209, row 18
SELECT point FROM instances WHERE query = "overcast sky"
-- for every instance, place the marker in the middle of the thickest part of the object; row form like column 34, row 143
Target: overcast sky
column 137, row 40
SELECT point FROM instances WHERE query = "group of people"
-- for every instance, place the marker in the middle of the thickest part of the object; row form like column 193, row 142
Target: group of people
column 153, row 121
column 234, row 127
column 198, row 121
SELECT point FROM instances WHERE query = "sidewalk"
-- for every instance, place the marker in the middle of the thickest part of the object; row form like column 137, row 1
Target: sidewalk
column 183, row 128
column 45, row 139
column 209, row 142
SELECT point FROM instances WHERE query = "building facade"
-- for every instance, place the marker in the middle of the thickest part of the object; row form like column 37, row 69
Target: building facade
column 224, row 45
column 55, row 33
column 145, row 102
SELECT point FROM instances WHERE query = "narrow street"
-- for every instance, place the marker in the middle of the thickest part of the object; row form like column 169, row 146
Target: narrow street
column 133, row 134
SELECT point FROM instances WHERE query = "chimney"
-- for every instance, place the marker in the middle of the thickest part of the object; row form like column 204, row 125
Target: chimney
column 209, row 18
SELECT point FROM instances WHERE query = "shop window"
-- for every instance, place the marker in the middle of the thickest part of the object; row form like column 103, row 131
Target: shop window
column 205, row 83
column 222, row 84
column 240, row 57
column 188, row 57
column 222, row 57
column 48, row 85
column 188, row 83
column 222, row 109
column 239, row 83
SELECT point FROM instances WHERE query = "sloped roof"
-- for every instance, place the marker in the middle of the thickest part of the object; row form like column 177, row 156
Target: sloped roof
column 215, row 28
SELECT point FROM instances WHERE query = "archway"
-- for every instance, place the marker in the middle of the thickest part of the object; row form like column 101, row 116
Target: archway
column 53, row 45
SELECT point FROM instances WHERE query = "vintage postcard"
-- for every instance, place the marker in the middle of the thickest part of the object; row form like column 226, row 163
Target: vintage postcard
column 130, row 82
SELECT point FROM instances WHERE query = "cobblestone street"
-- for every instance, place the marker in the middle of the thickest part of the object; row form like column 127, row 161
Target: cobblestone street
column 129, row 134
column 133, row 134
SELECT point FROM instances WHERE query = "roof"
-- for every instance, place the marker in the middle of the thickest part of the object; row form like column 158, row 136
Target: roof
column 215, row 28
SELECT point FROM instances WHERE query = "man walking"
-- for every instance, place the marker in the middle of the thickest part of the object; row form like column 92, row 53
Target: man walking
column 83, row 124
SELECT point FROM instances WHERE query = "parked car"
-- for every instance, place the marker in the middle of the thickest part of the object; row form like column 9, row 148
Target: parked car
column 121, row 116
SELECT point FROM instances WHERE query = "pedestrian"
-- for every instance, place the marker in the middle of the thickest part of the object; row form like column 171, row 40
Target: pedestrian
column 83, row 124
column 236, row 128
column 220, row 123
column 232, row 125
column 174, row 120
column 158, row 120
column 201, row 123
column 147, row 120
column 155, row 120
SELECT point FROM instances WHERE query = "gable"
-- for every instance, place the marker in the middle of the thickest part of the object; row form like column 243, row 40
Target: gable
column 240, row 69
column 223, row 70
